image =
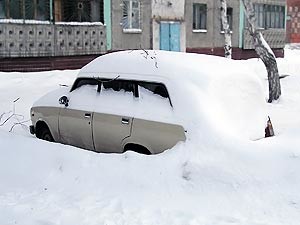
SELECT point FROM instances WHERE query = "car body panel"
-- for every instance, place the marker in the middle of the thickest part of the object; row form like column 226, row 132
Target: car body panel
column 48, row 115
column 109, row 131
column 75, row 128
column 155, row 136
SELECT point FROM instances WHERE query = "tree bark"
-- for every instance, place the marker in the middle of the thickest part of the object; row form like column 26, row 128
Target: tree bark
column 227, row 34
column 264, row 52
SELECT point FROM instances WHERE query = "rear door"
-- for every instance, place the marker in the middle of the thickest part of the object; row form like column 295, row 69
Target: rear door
column 112, row 119
column 75, row 120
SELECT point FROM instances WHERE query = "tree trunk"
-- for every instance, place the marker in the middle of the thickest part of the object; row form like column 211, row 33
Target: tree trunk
column 264, row 52
column 227, row 34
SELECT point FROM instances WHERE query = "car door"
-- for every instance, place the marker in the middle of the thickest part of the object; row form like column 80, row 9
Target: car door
column 156, row 129
column 75, row 119
column 112, row 119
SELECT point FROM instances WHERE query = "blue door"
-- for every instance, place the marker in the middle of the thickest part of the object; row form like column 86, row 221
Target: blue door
column 170, row 36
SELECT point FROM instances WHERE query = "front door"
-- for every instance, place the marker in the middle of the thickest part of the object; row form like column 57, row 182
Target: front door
column 170, row 36
column 75, row 120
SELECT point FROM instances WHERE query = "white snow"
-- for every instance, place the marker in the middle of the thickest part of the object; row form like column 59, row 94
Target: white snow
column 205, row 90
column 209, row 180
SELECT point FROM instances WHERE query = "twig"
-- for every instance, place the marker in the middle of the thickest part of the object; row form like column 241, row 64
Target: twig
column 19, row 123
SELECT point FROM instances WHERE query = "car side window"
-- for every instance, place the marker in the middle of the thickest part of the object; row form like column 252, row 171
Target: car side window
column 84, row 81
column 118, row 85
column 156, row 88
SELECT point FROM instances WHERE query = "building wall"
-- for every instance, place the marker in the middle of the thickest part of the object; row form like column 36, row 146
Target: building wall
column 131, row 40
column 213, row 37
column 293, row 22
column 168, row 11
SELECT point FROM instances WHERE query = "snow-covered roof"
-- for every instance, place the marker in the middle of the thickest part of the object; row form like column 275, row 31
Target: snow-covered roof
column 156, row 62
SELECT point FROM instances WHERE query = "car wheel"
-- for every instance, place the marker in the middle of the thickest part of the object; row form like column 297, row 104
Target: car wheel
column 46, row 134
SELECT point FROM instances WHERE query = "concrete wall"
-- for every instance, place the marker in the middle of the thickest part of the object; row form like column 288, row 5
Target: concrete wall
column 37, row 40
column 168, row 9
column 131, row 40
column 213, row 37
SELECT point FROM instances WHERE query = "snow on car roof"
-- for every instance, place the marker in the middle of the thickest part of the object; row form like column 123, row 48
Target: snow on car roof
column 156, row 62
column 200, row 86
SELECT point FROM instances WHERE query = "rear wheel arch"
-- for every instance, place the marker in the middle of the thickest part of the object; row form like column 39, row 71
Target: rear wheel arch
column 137, row 148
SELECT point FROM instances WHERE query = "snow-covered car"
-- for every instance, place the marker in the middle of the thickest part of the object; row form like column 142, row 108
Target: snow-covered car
column 148, row 101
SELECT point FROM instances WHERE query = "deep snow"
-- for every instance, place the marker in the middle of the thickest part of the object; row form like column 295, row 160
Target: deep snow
column 219, row 181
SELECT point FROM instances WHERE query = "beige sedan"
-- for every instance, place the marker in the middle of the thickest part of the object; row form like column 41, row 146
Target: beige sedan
column 108, row 115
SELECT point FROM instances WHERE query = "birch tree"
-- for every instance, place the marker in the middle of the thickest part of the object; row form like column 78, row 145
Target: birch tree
column 226, row 28
column 264, row 52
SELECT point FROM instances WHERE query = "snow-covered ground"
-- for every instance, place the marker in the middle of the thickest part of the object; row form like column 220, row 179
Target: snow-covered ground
column 220, row 181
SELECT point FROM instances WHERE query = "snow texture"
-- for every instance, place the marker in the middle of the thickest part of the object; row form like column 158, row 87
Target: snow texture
column 211, row 179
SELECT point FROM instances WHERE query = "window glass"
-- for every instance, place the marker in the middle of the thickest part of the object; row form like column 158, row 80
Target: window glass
column 199, row 16
column 229, row 18
column 82, row 10
column 2, row 9
column 157, row 89
column 118, row 85
column 269, row 16
column 42, row 10
column 84, row 81
column 15, row 9
column 131, row 14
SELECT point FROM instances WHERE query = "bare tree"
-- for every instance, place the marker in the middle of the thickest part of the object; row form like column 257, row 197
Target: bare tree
column 227, row 33
column 264, row 52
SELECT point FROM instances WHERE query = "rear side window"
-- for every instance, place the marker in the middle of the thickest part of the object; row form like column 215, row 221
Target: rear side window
column 156, row 88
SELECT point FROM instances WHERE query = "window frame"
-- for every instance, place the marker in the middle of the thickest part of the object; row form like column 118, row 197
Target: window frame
column 127, row 18
column 136, row 86
column 229, row 12
column 272, row 16
column 199, row 14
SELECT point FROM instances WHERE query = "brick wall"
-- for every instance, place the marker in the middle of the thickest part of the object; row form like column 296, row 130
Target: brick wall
column 293, row 21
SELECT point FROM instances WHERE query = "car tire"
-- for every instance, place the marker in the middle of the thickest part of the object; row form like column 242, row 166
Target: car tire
column 46, row 135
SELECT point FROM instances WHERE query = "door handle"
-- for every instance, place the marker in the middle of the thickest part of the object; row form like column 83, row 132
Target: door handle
column 125, row 121
column 87, row 115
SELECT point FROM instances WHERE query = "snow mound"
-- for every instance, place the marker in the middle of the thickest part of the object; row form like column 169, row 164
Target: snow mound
column 210, row 94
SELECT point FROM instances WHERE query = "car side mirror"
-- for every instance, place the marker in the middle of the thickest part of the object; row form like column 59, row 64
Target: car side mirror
column 64, row 101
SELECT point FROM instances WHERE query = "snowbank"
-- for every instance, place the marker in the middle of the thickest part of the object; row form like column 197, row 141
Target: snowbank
column 221, row 181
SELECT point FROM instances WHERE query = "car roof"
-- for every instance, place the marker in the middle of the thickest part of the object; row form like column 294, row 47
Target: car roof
column 160, row 63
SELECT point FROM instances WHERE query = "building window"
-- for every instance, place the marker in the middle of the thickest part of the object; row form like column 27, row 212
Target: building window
column 229, row 19
column 25, row 9
column 199, row 16
column 269, row 16
column 82, row 11
column 2, row 9
column 131, row 14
